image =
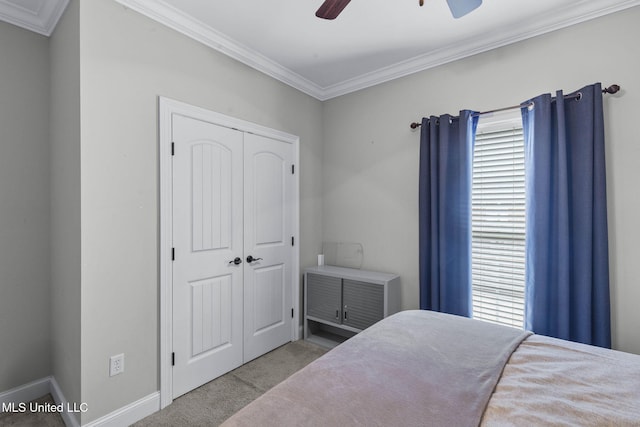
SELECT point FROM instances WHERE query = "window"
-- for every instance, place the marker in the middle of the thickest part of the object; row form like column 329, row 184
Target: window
column 498, row 220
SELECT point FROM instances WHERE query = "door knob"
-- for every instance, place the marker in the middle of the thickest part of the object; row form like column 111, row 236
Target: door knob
column 251, row 259
column 236, row 261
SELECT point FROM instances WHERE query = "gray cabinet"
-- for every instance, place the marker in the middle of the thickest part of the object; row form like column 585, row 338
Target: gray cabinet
column 340, row 302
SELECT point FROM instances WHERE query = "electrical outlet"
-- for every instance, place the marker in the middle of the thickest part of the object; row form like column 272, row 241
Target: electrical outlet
column 116, row 364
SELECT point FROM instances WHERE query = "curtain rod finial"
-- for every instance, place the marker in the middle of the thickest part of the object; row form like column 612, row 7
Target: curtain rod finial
column 415, row 125
column 612, row 89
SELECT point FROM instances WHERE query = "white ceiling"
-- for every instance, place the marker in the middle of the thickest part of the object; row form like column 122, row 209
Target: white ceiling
column 371, row 42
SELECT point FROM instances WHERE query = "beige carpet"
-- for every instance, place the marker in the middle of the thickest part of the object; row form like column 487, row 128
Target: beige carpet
column 37, row 419
column 215, row 401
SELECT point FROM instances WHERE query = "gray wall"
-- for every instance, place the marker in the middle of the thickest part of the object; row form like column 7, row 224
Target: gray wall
column 24, row 207
column 127, row 61
column 359, row 164
column 65, row 203
column 371, row 155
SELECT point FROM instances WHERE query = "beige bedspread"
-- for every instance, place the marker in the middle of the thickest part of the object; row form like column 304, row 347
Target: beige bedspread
column 551, row 382
column 415, row 368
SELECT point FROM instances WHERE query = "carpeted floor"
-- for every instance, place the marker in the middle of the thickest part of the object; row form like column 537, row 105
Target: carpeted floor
column 35, row 419
column 215, row 401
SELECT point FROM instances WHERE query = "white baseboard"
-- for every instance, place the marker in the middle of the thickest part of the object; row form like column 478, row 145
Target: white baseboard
column 69, row 419
column 27, row 392
column 124, row 416
column 37, row 389
column 129, row 414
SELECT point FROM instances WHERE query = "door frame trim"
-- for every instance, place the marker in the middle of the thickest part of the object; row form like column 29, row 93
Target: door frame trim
column 166, row 109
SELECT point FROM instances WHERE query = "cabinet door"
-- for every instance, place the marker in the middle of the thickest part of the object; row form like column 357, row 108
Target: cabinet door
column 324, row 297
column 363, row 303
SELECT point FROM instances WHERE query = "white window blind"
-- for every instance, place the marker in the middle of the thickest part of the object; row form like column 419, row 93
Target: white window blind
column 498, row 223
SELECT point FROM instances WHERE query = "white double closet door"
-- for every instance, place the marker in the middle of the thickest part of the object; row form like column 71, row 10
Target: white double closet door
column 232, row 236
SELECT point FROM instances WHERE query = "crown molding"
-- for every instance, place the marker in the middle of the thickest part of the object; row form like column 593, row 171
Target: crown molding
column 187, row 25
column 179, row 21
column 551, row 22
column 42, row 20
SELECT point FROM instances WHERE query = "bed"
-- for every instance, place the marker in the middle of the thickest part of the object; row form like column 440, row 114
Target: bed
column 421, row 368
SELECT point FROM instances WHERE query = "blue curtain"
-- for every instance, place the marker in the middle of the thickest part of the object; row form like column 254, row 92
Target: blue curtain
column 446, row 166
column 567, row 273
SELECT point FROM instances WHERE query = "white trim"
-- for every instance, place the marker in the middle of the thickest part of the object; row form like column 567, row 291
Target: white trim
column 69, row 419
column 26, row 392
column 130, row 413
column 557, row 19
column 36, row 389
column 185, row 24
column 43, row 20
column 166, row 109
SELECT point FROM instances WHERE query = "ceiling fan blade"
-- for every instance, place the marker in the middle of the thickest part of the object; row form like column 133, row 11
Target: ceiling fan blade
column 460, row 8
column 330, row 9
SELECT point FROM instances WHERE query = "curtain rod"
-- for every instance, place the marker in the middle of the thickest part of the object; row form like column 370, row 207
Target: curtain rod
column 611, row 89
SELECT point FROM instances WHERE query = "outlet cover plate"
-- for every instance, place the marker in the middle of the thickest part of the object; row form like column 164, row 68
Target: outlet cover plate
column 116, row 364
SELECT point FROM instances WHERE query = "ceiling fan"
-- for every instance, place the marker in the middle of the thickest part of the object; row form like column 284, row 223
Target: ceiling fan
column 330, row 9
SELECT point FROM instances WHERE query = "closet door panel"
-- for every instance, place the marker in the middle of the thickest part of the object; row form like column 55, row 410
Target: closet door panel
column 207, row 287
column 268, row 253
